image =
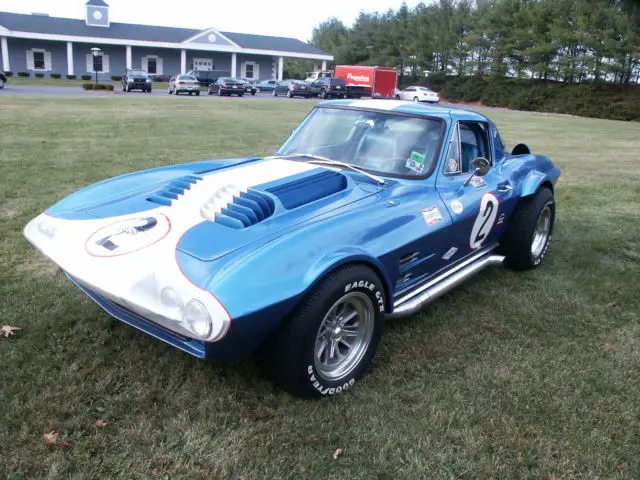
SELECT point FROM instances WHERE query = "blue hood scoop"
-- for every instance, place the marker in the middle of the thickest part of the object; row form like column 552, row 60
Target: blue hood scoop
column 173, row 189
column 307, row 188
column 246, row 209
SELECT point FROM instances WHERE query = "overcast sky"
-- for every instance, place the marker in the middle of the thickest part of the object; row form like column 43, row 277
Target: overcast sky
column 246, row 16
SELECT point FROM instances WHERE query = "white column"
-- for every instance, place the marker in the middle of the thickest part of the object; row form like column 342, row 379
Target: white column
column 233, row 64
column 280, row 68
column 69, row 58
column 129, row 61
column 6, row 66
column 183, row 61
column 324, row 64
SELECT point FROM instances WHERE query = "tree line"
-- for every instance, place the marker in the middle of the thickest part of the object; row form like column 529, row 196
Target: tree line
column 570, row 41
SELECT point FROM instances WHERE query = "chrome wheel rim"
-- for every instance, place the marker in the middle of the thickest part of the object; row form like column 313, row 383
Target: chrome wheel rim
column 541, row 233
column 344, row 336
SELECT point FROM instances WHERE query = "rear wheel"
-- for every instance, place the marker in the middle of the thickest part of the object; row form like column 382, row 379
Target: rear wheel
column 275, row 94
column 328, row 342
column 323, row 94
column 528, row 236
column 289, row 94
column 416, row 100
column 197, row 94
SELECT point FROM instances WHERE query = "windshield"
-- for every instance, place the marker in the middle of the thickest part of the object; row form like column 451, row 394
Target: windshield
column 379, row 142
column 137, row 72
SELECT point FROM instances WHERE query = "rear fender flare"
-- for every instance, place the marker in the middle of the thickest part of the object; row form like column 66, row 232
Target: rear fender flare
column 532, row 183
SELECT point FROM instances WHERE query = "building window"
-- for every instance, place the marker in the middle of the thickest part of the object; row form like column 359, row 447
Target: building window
column 97, row 63
column 249, row 72
column 152, row 66
column 38, row 60
column 203, row 64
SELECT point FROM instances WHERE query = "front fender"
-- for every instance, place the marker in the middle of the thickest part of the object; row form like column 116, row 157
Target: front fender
column 532, row 182
column 329, row 262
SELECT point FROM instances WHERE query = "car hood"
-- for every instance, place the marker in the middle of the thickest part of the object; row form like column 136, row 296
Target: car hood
column 213, row 208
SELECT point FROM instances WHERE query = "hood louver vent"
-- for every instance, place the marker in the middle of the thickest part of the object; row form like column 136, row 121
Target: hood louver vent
column 246, row 209
column 176, row 187
column 306, row 190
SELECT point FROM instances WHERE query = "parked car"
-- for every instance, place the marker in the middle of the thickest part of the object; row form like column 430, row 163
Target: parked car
column 204, row 77
column 370, row 210
column 227, row 86
column 418, row 94
column 266, row 85
column 184, row 84
column 331, row 87
column 134, row 79
column 248, row 86
column 3, row 80
column 293, row 88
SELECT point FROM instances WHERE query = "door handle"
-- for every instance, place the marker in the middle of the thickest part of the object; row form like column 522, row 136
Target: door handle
column 505, row 188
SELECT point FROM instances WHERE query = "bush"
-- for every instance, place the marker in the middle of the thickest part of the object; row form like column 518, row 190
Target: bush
column 24, row 74
column 56, row 75
column 116, row 78
column 160, row 78
column 8, row 74
column 39, row 75
column 98, row 86
column 71, row 77
column 86, row 77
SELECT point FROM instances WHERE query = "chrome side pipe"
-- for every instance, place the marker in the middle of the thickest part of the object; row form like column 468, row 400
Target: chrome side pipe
column 414, row 302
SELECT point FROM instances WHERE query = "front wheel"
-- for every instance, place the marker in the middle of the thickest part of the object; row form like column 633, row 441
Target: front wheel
column 275, row 94
column 328, row 342
column 526, row 241
column 416, row 100
column 289, row 94
column 197, row 94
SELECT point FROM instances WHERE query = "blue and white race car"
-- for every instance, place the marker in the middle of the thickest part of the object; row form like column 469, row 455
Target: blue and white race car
column 369, row 211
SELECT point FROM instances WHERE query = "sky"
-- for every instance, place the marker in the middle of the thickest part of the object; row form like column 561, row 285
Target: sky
column 246, row 16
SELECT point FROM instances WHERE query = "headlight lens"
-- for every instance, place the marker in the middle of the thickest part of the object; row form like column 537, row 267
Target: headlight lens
column 198, row 319
column 148, row 80
column 170, row 299
column 130, row 80
column 47, row 229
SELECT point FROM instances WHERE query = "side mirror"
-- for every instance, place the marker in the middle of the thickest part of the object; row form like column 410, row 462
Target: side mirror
column 521, row 149
column 481, row 168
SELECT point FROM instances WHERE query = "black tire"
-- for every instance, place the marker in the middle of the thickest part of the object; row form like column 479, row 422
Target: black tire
column 275, row 94
column 517, row 244
column 219, row 91
column 289, row 94
column 197, row 94
column 289, row 356
column 323, row 94
column 210, row 92
column 240, row 95
column 149, row 91
column 253, row 93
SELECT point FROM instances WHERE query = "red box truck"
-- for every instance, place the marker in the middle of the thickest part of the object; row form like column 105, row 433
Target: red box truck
column 374, row 82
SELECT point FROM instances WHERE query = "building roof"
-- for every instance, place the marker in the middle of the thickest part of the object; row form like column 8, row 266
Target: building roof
column 97, row 3
column 128, row 31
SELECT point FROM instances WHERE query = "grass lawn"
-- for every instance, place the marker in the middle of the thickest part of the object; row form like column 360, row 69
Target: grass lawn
column 514, row 375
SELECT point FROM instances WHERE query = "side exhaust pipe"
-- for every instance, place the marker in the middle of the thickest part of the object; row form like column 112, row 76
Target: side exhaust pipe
column 415, row 301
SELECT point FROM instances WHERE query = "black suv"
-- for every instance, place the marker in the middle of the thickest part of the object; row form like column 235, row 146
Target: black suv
column 331, row 87
column 136, row 80
column 205, row 77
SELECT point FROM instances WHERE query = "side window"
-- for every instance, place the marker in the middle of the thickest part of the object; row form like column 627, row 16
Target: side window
column 452, row 163
column 410, row 89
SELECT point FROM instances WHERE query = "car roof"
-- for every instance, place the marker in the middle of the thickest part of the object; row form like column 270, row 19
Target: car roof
column 410, row 108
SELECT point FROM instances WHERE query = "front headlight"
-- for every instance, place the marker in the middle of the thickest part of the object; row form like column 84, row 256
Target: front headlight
column 148, row 80
column 47, row 229
column 198, row 319
column 170, row 299
column 129, row 80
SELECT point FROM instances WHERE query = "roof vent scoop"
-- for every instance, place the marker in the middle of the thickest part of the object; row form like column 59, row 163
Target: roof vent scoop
column 308, row 189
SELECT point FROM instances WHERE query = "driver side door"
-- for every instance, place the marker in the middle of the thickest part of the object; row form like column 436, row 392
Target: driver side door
column 475, row 205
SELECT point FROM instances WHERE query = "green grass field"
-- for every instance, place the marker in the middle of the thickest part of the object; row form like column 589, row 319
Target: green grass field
column 513, row 375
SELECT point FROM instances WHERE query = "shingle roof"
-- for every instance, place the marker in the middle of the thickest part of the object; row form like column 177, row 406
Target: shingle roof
column 129, row 31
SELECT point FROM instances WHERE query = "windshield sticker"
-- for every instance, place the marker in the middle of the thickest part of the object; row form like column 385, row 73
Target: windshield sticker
column 450, row 253
column 431, row 215
column 477, row 182
column 415, row 162
column 457, row 207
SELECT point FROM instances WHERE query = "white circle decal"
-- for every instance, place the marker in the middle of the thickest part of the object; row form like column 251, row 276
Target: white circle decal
column 457, row 207
column 212, row 37
column 127, row 236
column 484, row 221
column 97, row 14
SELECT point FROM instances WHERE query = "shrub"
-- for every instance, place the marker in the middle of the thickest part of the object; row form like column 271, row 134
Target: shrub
column 98, row 86
column 71, row 77
column 9, row 74
column 24, row 74
column 56, row 75
column 86, row 77
column 39, row 75
column 160, row 78
column 116, row 78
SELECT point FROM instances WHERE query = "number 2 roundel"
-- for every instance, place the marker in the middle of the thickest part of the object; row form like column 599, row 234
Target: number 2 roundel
column 484, row 221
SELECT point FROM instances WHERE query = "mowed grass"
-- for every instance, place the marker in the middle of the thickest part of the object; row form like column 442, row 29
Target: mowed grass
column 513, row 375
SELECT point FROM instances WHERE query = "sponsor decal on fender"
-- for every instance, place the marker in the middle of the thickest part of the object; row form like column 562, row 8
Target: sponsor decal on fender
column 431, row 215
column 457, row 207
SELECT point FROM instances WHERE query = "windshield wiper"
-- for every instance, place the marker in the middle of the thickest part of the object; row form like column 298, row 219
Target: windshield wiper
column 328, row 161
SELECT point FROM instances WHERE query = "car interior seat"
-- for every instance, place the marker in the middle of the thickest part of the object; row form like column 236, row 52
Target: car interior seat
column 375, row 147
column 469, row 153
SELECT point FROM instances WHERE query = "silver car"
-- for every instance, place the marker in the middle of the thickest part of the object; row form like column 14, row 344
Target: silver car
column 184, row 84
